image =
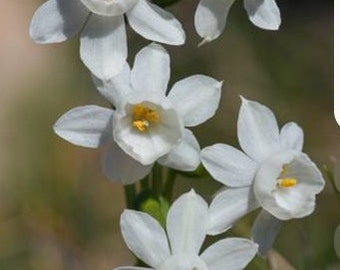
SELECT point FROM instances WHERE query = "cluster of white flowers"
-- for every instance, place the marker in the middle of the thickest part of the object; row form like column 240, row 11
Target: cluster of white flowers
column 148, row 124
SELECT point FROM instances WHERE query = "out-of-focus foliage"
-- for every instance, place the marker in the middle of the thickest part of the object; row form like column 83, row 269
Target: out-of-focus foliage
column 57, row 210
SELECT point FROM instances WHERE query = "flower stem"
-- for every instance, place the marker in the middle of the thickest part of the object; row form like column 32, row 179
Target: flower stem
column 130, row 194
column 169, row 184
column 164, row 3
column 144, row 183
column 157, row 179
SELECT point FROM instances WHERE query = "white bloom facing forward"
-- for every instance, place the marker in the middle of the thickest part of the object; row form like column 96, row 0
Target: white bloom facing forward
column 146, row 125
column 272, row 173
column 103, row 45
column 211, row 16
column 179, row 246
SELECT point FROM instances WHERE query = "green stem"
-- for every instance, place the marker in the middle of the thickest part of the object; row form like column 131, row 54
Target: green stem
column 169, row 184
column 157, row 179
column 144, row 183
column 165, row 3
column 130, row 194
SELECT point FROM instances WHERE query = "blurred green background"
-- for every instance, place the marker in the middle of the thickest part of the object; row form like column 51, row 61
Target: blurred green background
column 58, row 211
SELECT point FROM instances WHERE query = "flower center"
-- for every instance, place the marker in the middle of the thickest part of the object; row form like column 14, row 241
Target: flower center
column 284, row 181
column 143, row 117
column 287, row 182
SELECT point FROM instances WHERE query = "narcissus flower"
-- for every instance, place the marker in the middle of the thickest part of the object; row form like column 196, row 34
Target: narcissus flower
column 179, row 247
column 272, row 173
column 103, row 45
column 211, row 16
column 146, row 125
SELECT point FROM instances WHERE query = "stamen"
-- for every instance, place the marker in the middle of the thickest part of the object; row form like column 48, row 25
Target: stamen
column 287, row 182
column 144, row 117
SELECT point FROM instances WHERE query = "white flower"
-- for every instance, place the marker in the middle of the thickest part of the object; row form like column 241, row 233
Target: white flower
column 146, row 124
column 272, row 173
column 179, row 247
column 103, row 47
column 211, row 16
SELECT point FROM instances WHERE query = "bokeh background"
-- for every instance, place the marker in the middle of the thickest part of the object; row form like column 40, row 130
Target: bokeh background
column 57, row 209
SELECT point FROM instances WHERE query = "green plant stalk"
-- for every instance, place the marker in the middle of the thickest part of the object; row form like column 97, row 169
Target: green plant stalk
column 130, row 194
column 169, row 184
column 165, row 3
column 157, row 180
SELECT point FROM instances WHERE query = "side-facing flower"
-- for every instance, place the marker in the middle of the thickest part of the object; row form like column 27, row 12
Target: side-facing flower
column 211, row 16
column 179, row 246
column 146, row 125
column 103, row 45
column 272, row 173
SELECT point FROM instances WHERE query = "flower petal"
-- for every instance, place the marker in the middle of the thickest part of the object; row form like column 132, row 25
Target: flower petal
column 228, row 206
column 263, row 13
column 120, row 167
column 87, row 126
column 228, row 165
column 265, row 230
column 210, row 18
column 145, row 237
column 151, row 70
column 196, row 98
column 117, row 88
column 109, row 8
column 154, row 23
column 291, row 137
column 257, row 130
column 57, row 20
column 231, row 253
column 185, row 156
column 186, row 223
column 103, row 47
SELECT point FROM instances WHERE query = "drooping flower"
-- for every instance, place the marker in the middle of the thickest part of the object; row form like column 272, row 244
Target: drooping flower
column 146, row 125
column 211, row 16
column 103, row 45
column 272, row 173
column 179, row 246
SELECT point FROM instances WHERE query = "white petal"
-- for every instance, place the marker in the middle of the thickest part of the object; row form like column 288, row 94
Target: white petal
column 154, row 23
column 263, row 13
column 103, row 47
column 265, row 230
column 291, row 137
column 120, row 167
column 109, row 7
column 228, row 165
column 185, row 156
column 257, row 130
column 87, row 126
column 228, row 206
column 145, row 237
column 183, row 261
column 187, row 223
column 210, row 18
column 151, row 69
column 196, row 98
column 149, row 145
column 57, row 20
column 117, row 88
column 231, row 253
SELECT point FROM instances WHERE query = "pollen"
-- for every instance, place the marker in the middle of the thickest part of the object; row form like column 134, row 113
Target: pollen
column 143, row 117
column 287, row 182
